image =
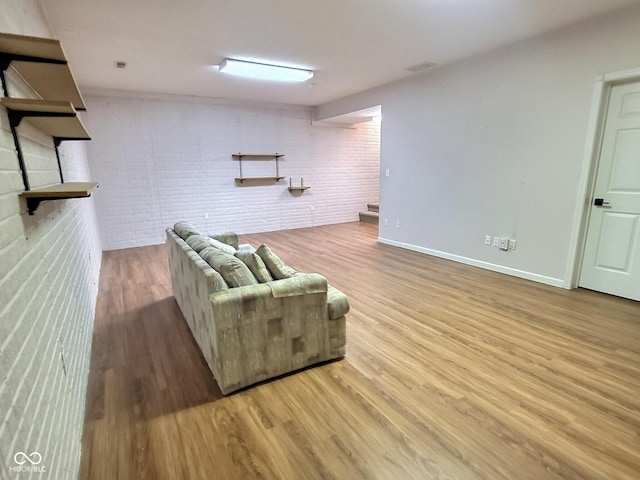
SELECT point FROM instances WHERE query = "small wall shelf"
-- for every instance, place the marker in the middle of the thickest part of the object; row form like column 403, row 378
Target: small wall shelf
column 58, row 192
column 57, row 118
column 42, row 63
column 297, row 188
column 259, row 179
column 258, row 156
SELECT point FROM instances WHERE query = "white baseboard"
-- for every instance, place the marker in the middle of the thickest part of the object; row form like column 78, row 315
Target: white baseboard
column 555, row 282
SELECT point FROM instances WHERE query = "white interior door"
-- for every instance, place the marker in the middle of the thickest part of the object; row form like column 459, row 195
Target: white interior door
column 611, row 261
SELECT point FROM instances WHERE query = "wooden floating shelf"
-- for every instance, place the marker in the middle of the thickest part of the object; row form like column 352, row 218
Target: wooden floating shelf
column 298, row 189
column 42, row 63
column 57, row 118
column 263, row 179
column 257, row 156
column 58, row 192
column 34, row 47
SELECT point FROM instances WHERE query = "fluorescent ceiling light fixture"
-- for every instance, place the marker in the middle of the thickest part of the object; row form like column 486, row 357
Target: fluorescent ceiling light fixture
column 264, row 71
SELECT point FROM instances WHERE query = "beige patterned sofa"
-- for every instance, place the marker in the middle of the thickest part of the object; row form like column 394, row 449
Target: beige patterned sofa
column 253, row 317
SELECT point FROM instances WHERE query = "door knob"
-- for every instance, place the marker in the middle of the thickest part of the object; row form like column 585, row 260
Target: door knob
column 599, row 202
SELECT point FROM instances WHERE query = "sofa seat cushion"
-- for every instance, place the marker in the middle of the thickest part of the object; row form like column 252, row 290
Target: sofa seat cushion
column 255, row 264
column 185, row 230
column 234, row 272
column 277, row 267
column 200, row 242
column 337, row 303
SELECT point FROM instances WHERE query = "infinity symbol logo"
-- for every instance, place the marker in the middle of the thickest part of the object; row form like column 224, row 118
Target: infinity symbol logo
column 21, row 458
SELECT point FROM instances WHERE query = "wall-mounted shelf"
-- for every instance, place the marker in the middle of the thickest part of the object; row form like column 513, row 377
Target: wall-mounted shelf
column 42, row 63
column 58, row 192
column 258, row 179
column 258, row 156
column 57, row 118
column 297, row 188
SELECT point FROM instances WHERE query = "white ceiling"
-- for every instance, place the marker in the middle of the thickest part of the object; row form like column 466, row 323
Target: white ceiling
column 352, row 45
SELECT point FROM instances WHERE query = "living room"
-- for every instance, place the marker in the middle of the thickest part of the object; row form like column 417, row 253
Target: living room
column 498, row 143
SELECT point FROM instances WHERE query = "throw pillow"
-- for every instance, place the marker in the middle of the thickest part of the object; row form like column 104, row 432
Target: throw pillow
column 234, row 272
column 255, row 264
column 185, row 230
column 276, row 266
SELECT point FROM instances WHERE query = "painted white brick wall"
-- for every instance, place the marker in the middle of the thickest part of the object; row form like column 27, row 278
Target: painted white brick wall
column 49, row 268
column 166, row 158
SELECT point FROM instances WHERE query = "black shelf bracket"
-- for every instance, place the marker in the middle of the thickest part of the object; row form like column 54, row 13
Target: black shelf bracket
column 7, row 58
column 15, row 117
column 34, row 202
column 56, row 142
column 4, row 82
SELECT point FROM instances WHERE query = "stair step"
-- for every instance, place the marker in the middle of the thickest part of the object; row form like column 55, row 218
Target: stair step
column 373, row 207
column 369, row 217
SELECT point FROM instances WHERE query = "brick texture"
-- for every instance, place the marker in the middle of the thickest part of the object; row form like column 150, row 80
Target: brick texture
column 160, row 160
column 49, row 267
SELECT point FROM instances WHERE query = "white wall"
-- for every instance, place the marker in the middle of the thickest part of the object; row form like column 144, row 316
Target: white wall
column 161, row 159
column 495, row 145
column 49, row 268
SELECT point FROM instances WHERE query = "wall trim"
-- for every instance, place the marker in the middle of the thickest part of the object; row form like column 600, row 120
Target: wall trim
column 554, row 282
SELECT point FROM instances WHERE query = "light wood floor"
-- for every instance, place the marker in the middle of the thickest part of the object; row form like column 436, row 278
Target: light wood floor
column 452, row 372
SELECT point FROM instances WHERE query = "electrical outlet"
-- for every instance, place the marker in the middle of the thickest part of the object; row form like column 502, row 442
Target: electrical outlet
column 496, row 242
column 311, row 207
column 386, row 172
column 398, row 224
column 487, row 240
column 206, row 216
column 503, row 244
column 512, row 244
column 386, row 222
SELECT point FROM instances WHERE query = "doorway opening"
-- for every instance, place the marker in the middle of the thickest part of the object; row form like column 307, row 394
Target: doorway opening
column 368, row 123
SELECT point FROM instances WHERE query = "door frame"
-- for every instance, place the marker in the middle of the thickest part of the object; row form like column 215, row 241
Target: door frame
column 589, row 171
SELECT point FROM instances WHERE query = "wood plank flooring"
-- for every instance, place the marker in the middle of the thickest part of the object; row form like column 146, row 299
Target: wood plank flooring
column 451, row 372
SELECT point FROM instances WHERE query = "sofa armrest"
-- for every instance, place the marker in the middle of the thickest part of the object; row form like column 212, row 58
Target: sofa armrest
column 301, row 284
column 258, row 335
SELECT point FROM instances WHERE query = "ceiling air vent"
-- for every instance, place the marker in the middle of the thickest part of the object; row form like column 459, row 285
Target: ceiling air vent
column 421, row 67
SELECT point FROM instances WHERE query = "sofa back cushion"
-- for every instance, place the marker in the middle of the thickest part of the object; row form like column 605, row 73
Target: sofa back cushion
column 232, row 269
column 200, row 242
column 230, row 238
column 185, row 230
column 255, row 264
column 276, row 266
